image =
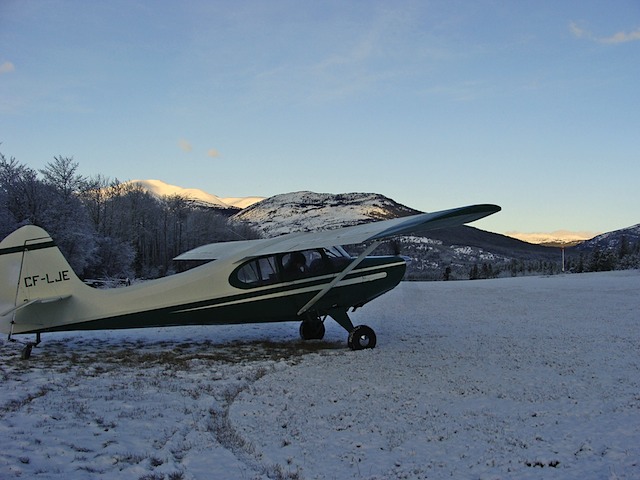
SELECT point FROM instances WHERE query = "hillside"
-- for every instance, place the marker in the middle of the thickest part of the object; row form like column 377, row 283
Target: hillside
column 559, row 238
column 309, row 211
column 612, row 240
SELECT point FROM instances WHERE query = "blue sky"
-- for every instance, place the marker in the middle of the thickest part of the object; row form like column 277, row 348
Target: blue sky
column 533, row 105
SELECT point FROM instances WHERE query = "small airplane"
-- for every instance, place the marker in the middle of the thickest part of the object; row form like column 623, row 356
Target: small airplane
column 303, row 277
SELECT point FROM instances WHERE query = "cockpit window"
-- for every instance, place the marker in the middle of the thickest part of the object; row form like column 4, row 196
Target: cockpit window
column 300, row 264
column 289, row 267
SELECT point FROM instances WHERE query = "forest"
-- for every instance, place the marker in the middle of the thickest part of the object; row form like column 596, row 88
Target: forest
column 107, row 228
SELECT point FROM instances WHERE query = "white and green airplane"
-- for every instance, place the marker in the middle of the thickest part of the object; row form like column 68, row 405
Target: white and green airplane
column 301, row 277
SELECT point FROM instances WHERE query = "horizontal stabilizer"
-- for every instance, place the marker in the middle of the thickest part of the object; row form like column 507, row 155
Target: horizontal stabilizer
column 31, row 302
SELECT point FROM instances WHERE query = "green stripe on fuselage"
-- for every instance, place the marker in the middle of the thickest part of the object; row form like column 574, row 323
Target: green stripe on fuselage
column 275, row 303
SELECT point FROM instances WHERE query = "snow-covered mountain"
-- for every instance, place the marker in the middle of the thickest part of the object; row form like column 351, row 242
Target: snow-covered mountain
column 161, row 189
column 613, row 240
column 558, row 238
column 308, row 211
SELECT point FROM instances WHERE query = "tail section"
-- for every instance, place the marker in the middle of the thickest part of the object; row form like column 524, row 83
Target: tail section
column 32, row 270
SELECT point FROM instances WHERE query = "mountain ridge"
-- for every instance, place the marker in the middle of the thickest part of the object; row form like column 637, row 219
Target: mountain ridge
column 308, row 211
column 558, row 238
column 453, row 253
column 611, row 240
column 160, row 188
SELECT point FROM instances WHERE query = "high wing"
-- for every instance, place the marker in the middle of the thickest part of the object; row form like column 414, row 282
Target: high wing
column 413, row 224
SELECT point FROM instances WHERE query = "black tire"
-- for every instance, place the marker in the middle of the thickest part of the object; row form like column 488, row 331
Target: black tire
column 312, row 330
column 362, row 337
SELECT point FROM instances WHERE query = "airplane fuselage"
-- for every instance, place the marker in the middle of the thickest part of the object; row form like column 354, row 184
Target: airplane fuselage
column 212, row 294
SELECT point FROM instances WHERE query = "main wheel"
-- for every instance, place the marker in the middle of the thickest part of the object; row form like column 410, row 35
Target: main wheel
column 312, row 330
column 362, row 337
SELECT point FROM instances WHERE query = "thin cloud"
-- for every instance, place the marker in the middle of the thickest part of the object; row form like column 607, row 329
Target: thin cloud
column 622, row 37
column 616, row 38
column 578, row 31
column 7, row 67
column 185, row 146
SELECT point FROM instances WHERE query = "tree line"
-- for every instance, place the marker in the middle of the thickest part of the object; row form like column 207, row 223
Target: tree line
column 106, row 228
column 625, row 256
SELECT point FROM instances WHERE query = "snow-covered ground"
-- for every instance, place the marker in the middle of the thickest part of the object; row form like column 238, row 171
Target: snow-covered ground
column 510, row 378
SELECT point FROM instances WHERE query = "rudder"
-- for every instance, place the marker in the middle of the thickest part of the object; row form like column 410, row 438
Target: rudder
column 32, row 269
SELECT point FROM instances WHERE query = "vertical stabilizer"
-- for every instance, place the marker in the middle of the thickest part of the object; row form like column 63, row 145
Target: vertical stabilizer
column 32, row 270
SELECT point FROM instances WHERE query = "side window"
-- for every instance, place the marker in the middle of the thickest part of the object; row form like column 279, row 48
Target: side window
column 337, row 258
column 262, row 271
column 317, row 262
column 249, row 273
column 307, row 263
column 289, row 267
column 268, row 272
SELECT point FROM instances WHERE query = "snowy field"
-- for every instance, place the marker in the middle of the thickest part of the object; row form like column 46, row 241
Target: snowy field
column 510, row 378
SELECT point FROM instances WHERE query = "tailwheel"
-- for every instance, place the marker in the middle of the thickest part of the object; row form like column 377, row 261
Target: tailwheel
column 362, row 337
column 28, row 347
column 312, row 329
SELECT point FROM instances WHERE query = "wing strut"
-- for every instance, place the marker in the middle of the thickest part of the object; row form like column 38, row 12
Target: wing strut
column 339, row 277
